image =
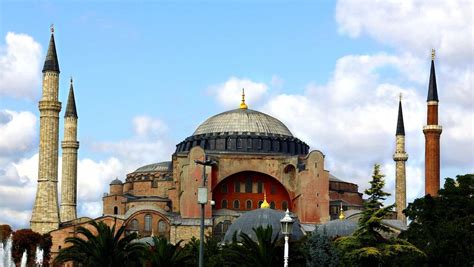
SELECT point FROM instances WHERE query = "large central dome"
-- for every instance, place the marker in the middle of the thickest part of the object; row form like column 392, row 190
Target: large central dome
column 243, row 121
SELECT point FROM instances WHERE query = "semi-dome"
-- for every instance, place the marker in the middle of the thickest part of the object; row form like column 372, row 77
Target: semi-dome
column 261, row 217
column 338, row 227
column 160, row 166
column 243, row 121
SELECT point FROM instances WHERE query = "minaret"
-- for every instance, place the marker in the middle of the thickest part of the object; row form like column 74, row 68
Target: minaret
column 400, row 157
column 45, row 215
column 432, row 133
column 70, row 145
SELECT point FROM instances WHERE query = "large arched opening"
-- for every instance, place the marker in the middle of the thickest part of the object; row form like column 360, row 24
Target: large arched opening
column 245, row 190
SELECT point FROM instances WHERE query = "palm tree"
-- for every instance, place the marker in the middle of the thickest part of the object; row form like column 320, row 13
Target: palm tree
column 106, row 248
column 212, row 252
column 264, row 252
column 164, row 254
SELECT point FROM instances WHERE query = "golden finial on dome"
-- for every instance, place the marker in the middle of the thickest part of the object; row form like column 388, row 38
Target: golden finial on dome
column 341, row 213
column 432, row 54
column 242, row 104
column 264, row 204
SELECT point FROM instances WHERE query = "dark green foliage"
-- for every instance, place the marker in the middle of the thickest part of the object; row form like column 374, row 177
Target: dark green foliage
column 109, row 247
column 443, row 226
column 261, row 253
column 25, row 239
column 320, row 251
column 367, row 247
column 212, row 252
column 164, row 254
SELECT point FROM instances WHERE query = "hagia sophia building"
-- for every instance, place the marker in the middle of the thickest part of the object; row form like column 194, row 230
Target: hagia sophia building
column 255, row 159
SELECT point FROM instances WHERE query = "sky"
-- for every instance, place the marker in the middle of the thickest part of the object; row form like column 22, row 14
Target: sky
column 147, row 73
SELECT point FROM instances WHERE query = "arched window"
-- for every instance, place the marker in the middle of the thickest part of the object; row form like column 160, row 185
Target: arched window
column 148, row 222
column 248, row 204
column 162, row 227
column 284, row 205
column 134, row 225
column 236, row 204
column 220, row 229
column 248, row 185
column 224, row 188
column 260, row 203
column 115, row 210
column 272, row 205
column 224, row 204
column 237, row 187
column 259, row 187
column 239, row 143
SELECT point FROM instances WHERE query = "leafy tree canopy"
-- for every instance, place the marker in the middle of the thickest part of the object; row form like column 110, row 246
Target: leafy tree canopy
column 367, row 247
column 443, row 226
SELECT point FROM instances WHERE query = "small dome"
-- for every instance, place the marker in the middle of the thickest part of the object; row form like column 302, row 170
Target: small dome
column 160, row 166
column 243, row 121
column 116, row 181
column 261, row 217
column 338, row 228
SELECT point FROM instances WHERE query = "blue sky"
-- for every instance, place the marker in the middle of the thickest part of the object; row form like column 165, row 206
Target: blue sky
column 147, row 73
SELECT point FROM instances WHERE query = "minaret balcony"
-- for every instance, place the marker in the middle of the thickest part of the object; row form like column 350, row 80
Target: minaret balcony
column 432, row 128
column 400, row 156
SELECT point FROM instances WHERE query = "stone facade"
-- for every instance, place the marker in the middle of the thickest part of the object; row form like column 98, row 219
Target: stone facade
column 45, row 215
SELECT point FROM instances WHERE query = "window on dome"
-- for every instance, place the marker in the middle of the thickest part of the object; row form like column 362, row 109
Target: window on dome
column 236, row 204
column 239, row 143
column 224, row 204
column 248, row 185
column 248, row 204
column 148, row 222
column 249, row 143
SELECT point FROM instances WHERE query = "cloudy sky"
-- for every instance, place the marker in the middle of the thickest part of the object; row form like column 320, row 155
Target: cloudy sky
column 147, row 74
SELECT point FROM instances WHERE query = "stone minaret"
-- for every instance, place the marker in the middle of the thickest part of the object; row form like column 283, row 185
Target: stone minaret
column 70, row 145
column 432, row 133
column 400, row 157
column 45, row 215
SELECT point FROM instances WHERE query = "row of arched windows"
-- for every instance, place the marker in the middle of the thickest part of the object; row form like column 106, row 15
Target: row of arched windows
column 162, row 225
column 249, row 204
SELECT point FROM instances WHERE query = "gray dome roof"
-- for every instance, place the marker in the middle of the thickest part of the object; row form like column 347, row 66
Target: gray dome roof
column 116, row 181
column 243, row 121
column 261, row 217
column 338, row 228
column 160, row 166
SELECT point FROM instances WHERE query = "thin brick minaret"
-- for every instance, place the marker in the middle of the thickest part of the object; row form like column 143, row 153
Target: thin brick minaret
column 432, row 133
column 400, row 157
column 45, row 215
column 70, row 145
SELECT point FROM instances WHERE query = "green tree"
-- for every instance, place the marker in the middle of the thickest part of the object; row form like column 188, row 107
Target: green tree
column 442, row 226
column 367, row 246
column 320, row 251
column 164, row 254
column 212, row 252
column 108, row 247
column 261, row 253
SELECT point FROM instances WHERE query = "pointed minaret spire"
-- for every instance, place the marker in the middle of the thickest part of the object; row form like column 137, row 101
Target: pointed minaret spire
column 432, row 88
column 51, row 62
column 400, row 124
column 400, row 157
column 71, row 103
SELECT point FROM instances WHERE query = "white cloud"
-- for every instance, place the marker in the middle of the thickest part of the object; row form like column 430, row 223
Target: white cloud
column 229, row 93
column 20, row 66
column 17, row 132
column 413, row 25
